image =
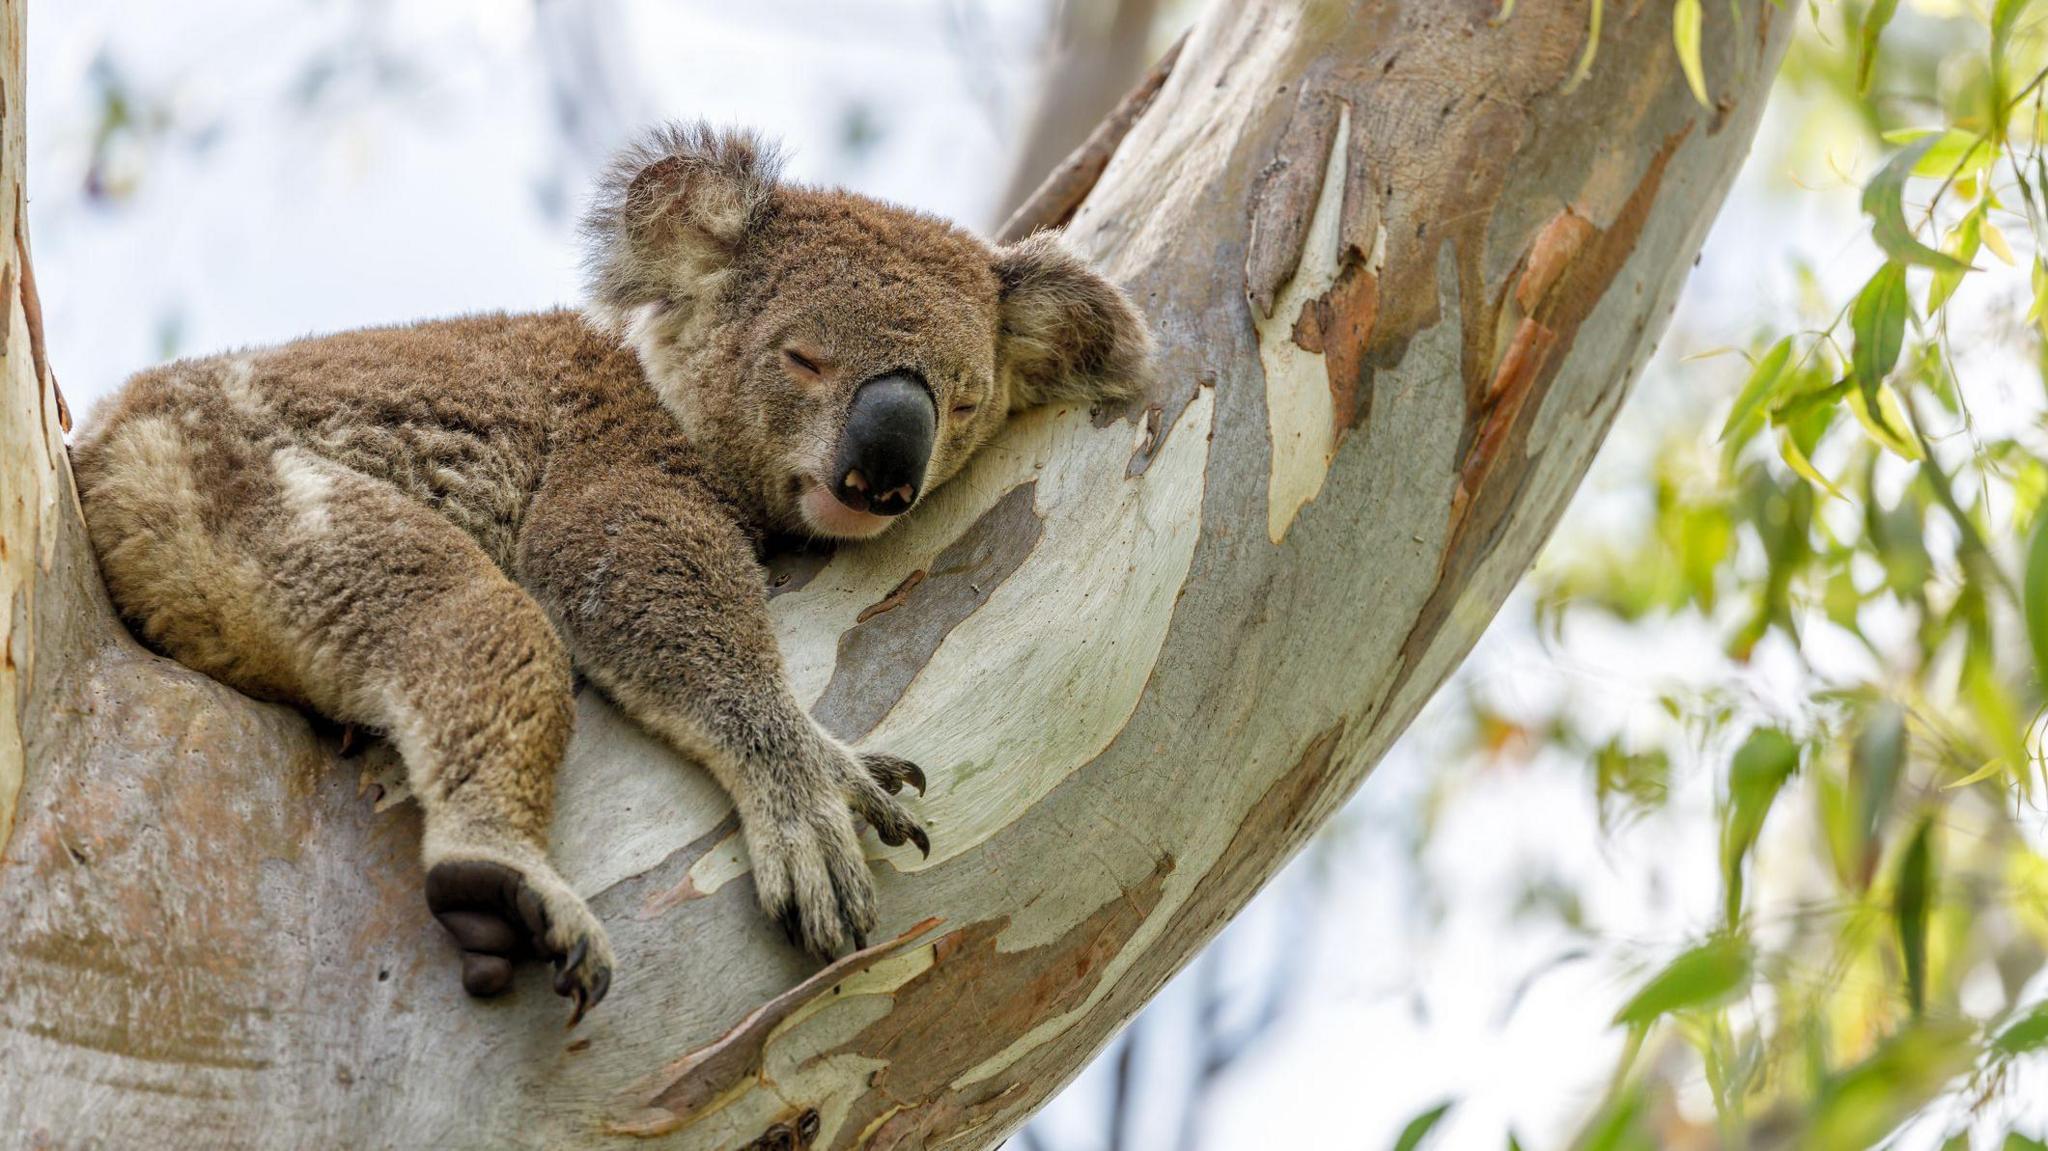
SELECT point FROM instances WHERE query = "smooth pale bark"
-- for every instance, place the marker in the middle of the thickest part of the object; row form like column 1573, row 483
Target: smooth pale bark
column 1402, row 273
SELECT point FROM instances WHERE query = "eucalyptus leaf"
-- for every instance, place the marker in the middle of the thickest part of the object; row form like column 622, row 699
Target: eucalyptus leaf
column 2028, row 1033
column 1876, row 761
column 1911, row 900
column 1706, row 976
column 1874, row 21
column 2034, row 593
column 1761, row 766
column 1884, row 201
column 1418, row 1128
column 1878, row 319
column 1763, row 384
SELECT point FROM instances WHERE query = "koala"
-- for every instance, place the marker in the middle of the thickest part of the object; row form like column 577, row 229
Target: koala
column 427, row 530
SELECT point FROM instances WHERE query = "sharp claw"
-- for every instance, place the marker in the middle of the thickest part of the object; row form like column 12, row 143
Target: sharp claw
column 600, row 985
column 860, row 940
column 915, row 775
column 790, row 927
column 582, row 1005
column 923, row 841
column 567, row 976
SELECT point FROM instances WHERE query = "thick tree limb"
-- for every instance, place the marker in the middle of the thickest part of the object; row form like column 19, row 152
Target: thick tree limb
column 1401, row 280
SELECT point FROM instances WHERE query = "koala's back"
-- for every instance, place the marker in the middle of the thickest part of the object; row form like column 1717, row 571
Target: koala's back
column 202, row 476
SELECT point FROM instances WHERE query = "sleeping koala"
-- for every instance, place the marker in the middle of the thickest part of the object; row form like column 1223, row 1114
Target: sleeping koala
column 420, row 530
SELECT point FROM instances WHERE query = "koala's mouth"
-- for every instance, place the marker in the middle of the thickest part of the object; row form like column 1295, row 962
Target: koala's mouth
column 825, row 515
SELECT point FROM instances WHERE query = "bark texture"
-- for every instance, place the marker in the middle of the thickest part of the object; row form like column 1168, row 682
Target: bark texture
column 1401, row 271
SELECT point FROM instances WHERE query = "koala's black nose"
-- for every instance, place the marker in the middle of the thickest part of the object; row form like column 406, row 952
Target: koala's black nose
column 885, row 446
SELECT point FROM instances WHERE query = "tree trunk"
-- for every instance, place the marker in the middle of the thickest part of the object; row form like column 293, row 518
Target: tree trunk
column 1401, row 271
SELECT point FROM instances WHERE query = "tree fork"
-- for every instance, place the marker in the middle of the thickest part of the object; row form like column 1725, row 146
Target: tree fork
column 1402, row 271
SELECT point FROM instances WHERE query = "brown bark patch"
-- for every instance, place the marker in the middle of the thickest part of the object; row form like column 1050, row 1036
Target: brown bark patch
column 972, row 1003
column 1338, row 325
column 32, row 311
column 1565, row 273
column 894, row 599
column 1283, row 818
column 1555, row 247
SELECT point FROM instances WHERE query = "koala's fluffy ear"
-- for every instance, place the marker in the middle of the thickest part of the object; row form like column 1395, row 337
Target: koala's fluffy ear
column 1067, row 333
column 671, row 211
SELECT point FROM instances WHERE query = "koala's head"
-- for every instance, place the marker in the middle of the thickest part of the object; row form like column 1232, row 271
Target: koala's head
column 835, row 357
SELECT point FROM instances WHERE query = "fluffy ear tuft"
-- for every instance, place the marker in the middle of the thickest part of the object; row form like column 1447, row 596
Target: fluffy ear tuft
column 1067, row 333
column 670, row 211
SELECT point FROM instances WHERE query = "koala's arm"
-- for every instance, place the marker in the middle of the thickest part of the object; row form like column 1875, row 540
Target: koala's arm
column 664, row 607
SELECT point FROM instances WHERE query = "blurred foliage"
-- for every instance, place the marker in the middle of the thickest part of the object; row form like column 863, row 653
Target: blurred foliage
column 1854, row 497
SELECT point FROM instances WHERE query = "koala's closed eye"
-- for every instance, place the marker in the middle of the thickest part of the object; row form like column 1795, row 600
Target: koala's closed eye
column 802, row 362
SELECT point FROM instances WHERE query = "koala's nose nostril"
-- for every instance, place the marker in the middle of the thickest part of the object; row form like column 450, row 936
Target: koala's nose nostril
column 885, row 445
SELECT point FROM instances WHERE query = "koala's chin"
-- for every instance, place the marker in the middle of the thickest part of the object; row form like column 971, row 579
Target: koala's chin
column 828, row 518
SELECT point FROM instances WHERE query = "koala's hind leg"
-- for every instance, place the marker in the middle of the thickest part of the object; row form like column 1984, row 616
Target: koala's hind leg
column 286, row 575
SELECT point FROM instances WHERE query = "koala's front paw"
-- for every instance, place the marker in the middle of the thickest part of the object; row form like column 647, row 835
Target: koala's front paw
column 808, row 867
column 498, row 912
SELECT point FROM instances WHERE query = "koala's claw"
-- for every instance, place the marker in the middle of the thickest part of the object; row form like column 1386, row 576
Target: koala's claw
column 892, row 773
column 497, row 915
column 892, row 824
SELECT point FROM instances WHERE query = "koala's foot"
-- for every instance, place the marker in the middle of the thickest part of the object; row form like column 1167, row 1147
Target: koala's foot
column 892, row 773
column 499, row 912
column 808, row 866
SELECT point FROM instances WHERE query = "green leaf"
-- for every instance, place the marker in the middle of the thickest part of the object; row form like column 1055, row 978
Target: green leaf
column 1963, row 242
column 1878, row 318
column 1759, row 771
column 1888, row 426
column 1955, row 154
column 1884, row 201
column 1860, row 1106
column 1617, row 1126
column 1788, row 449
column 2038, row 313
column 1799, row 405
column 1761, row 388
column 2014, row 1141
column 1991, row 767
column 1706, row 976
column 1685, row 35
column 1418, row 1128
column 1910, row 903
column 2029, row 1033
column 2035, row 595
column 2005, row 16
column 1875, row 762
column 1880, row 14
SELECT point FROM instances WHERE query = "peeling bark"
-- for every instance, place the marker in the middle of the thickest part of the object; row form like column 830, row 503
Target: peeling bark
column 1401, row 281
